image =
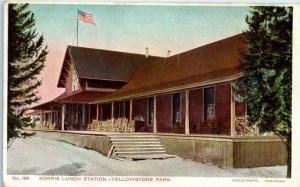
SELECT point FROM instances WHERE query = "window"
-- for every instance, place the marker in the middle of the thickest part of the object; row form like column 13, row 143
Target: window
column 74, row 81
column 120, row 109
column 176, row 108
column 209, row 103
column 151, row 111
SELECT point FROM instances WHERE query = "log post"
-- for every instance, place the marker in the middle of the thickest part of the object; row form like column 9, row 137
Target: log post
column 155, row 122
column 130, row 110
column 232, row 129
column 97, row 115
column 63, row 108
column 187, row 113
column 112, row 110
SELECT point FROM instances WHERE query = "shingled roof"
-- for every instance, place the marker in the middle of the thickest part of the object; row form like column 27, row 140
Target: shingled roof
column 200, row 66
column 82, row 97
column 47, row 105
column 102, row 64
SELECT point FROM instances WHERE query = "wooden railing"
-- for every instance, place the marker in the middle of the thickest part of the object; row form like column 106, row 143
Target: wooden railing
column 114, row 125
column 243, row 129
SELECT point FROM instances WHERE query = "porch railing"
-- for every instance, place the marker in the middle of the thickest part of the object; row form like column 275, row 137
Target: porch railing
column 113, row 125
column 243, row 129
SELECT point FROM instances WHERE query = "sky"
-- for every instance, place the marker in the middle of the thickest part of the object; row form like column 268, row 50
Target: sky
column 130, row 28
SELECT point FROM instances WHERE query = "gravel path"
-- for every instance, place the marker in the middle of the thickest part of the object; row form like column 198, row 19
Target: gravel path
column 37, row 156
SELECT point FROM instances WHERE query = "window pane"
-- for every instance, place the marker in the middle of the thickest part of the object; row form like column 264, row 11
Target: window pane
column 151, row 111
column 176, row 108
column 209, row 103
column 209, row 96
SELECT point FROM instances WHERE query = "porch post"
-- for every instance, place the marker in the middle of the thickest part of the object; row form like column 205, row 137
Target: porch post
column 112, row 110
column 42, row 120
column 130, row 110
column 187, row 113
column 232, row 130
column 77, row 113
column 154, row 111
column 51, row 117
column 89, row 116
column 101, row 112
column 97, row 115
column 63, row 108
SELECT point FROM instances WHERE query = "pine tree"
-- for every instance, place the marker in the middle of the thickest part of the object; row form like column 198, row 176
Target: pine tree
column 26, row 57
column 267, row 66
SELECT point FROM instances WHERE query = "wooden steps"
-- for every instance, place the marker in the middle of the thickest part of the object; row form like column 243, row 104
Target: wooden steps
column 137, row 147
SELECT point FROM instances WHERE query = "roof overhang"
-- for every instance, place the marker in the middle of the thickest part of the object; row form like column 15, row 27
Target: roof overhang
column 168, row 90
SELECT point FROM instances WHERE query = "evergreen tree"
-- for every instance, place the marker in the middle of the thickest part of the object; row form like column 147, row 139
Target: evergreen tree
column 267, row 66
column 26, row 57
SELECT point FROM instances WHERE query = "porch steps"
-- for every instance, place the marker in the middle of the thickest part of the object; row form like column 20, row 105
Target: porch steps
column 137, row 147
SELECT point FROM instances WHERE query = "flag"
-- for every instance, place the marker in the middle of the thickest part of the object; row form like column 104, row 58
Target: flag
column 86, row 18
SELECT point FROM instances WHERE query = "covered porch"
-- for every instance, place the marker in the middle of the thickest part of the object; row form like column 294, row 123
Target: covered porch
column 209, row 110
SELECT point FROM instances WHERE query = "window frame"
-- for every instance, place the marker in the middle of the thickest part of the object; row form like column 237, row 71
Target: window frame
column 204, row 105
column 150, row 111
column 179, row 108
column 75, row 81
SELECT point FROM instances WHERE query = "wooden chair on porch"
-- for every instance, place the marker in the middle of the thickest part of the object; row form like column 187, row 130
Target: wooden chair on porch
column 94, row 125
column 131, row 126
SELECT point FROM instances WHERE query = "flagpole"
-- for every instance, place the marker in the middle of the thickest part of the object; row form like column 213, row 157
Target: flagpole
column 77, row 26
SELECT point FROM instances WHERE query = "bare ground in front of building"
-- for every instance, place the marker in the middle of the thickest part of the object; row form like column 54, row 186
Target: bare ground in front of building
column 37, row 156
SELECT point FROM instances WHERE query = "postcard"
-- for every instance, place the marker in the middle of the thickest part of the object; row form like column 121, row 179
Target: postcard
column 151, row 94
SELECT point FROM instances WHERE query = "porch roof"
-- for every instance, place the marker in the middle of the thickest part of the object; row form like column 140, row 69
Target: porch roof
column 82, row 97
column 47, row 105
column 215, row 62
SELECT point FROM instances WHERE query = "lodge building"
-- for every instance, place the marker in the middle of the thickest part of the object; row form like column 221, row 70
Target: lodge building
column 183, row 96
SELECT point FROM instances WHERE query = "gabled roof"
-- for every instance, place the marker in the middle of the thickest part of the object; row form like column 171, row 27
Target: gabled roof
column 200, row 66
column 102, row 64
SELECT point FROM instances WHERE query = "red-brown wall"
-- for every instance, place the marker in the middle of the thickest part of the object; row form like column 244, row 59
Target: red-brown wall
column 164, row 113
column 223, row 107
column 182, row 112
column 196, row 110
column 139, row 107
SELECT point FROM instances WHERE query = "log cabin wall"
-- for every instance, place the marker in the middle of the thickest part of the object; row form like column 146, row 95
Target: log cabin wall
column 183, row 98
column 223, row 108
column 196, row 110
column 164, row 113
column 140, row 108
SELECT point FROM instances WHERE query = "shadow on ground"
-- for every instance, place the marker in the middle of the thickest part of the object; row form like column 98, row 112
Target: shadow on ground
column 31, row 171
column 73, row 169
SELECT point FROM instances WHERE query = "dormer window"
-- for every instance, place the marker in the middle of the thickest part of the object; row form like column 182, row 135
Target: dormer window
column 74, row 81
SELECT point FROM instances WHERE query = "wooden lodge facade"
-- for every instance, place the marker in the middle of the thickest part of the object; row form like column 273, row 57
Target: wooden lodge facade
column 88, row 74
column 187, row 100
column 188, row 93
